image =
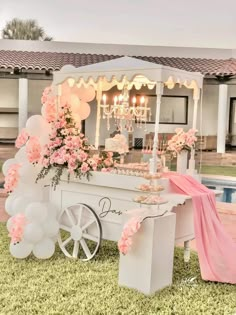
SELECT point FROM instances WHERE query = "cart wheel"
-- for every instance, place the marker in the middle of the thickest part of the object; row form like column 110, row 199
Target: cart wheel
column 80, row 232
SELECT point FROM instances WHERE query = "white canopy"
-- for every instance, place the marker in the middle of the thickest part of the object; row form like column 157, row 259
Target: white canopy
column 131, row 72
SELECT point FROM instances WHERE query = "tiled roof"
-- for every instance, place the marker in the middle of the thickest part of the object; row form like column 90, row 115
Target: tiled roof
column 55, row 61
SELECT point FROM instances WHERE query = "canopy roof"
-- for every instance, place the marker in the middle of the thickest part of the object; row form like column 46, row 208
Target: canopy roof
column 129, row 70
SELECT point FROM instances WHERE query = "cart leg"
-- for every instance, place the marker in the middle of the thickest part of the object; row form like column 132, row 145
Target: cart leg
column 186, row 251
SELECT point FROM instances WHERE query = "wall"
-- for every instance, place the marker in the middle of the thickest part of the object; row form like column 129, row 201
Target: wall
column 35, row 89
column 9, row 99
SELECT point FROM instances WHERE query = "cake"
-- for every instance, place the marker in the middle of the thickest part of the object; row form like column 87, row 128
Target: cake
column 117, row 144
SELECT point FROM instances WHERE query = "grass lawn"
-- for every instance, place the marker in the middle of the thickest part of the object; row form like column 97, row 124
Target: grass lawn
column 214, row 170
column 61, row 286
column 218, row 170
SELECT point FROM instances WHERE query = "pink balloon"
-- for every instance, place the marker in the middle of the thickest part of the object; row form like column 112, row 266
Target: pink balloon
column 86, row 94
column 65, row 99
column 84, row 110
column 65, row 88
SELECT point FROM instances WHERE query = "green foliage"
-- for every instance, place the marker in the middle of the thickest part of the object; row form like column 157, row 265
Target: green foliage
column 24, row 29
column 61, row 286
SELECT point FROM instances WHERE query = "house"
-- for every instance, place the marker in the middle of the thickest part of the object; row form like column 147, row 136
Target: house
column 26, row 68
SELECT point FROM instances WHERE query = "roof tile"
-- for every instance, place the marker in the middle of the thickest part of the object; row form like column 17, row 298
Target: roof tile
column 55, row 61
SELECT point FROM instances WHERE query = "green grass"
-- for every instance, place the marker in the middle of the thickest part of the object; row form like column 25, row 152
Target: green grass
column 218, row 170
column 63, row 286
column 212, row 170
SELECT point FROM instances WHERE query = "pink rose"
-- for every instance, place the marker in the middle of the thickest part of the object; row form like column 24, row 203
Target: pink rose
column 33, row 150
column 84, row 167
column 12, row 178
column 17, row 227
column 22, row 138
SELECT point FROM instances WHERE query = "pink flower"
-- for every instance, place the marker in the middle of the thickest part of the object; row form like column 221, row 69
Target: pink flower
column 130, row 228
column 50, row 111
column 12, row 178
column 124, row 245
column 108, row 162
column 17, row 227
column 22, row 138
column 84, row 167
column 105, row 170
column 109, row 155
column 82, row 156
column 33, row 150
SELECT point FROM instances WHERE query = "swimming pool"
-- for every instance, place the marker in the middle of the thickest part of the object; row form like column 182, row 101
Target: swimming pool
column 228, row 187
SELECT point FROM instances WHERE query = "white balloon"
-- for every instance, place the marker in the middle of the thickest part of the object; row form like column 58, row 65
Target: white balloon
column 44, row 249
column 9, row 224
column 53, row 211
column 34, row 192
column 36, row 125
column 51, row 227
column 21, row 250
column 21, row 188
column 21, row 155
column 9, row 203
column 19, row 204
column 36, row 212
column 28, row 173
column 33, row 233
column 7, row 164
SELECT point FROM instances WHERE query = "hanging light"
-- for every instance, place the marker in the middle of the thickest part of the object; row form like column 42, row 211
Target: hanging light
column 125, row 113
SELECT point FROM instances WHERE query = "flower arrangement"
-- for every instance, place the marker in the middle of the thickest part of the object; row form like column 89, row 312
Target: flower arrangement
column 12, row 178
column 182, row 141
column 130, row 228
column 69, row 149
column 17, row 225
column 22, row 138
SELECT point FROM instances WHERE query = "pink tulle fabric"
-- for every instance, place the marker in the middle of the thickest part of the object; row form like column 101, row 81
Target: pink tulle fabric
column 12, row 178
column 17, row 226
column 130, row 228
column 216, row 249
column 22, row 138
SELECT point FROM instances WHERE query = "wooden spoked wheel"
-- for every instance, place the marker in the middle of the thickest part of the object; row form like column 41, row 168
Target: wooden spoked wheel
column 80, row 232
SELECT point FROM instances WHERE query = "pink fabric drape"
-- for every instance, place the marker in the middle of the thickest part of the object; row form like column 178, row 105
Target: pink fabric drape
column 216, row 249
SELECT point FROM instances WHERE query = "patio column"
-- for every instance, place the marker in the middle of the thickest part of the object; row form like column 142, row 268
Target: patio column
column 98, row 119
column 22, row 103
column 196, row 95
column 159, row 93
column 222, row 118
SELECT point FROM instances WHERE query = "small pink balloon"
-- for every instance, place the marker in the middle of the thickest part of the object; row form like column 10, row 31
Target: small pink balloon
column 86, row 94
column 65, row 99
column 65, row 88
column 84, row 110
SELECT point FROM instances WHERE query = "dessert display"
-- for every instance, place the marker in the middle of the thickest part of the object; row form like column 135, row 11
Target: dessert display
column 132, row 169
column 152, row 190
column 117, row 144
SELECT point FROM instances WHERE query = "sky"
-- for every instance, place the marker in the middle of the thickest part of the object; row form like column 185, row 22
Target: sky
column 200, row 23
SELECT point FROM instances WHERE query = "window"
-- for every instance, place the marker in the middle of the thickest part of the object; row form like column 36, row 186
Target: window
column 174, row 109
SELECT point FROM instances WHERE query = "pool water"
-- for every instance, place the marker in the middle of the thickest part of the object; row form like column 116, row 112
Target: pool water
column 227, row 187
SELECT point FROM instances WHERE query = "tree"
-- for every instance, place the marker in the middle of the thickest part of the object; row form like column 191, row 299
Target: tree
column 24, row 29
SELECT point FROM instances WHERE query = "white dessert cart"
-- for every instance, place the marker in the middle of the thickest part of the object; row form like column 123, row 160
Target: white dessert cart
column 91, row 210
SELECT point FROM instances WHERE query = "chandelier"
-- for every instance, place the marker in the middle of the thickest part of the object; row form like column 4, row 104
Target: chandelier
column 124, row 113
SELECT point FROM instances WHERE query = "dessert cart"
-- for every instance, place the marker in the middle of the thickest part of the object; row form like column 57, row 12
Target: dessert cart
column 92, row 210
